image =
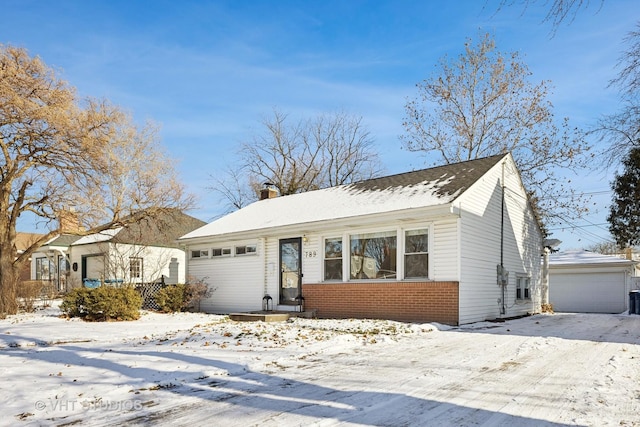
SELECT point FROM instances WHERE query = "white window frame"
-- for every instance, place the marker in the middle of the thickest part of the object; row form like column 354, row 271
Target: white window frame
column 400, row 254
column 202, row 254
column 40, row 268
column 136, row 265
column 380, row 230
column 341, row 258
column 249, row 250
column 523, row 287
column 224, row 252
column 403, row 232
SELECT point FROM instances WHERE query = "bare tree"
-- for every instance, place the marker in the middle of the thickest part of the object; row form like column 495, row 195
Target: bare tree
column 233, row 184
column 60, row 152
column 605, row 248
column 483, row 104
column 328, row 150
column 622, row 129
column 559, row 11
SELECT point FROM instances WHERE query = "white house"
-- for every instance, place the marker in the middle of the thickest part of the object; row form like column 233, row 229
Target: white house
column 587, row 282
column 139, row 253
column 451, row 244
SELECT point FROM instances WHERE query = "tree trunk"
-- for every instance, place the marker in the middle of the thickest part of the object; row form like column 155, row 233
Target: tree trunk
column 8, row 280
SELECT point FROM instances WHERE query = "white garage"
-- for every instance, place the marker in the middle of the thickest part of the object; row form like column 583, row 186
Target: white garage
column 586, row 282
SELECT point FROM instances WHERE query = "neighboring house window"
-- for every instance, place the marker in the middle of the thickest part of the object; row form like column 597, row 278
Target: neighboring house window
column 333, row 258
column 201, row 253
column 522, row 287
column 135, row 268
column 44, row 269
column 416, row 253
column 220, row 251
column 373, row 255
column 245, row 250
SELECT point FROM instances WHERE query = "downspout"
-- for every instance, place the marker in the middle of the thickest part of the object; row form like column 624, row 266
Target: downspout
column 503, row 285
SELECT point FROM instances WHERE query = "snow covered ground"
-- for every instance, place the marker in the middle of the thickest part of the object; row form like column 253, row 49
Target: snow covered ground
column 197, row 369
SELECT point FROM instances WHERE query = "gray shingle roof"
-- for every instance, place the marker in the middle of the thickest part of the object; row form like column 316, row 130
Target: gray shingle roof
column 465, row 173
column 160, row 230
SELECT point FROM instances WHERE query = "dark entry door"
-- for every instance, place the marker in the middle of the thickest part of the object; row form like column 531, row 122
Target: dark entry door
column 290, row 270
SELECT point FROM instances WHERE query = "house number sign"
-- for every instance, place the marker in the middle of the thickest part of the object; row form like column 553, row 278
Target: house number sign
column 310, row 254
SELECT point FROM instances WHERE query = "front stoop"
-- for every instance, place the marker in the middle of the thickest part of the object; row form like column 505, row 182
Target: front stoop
column 271, row 316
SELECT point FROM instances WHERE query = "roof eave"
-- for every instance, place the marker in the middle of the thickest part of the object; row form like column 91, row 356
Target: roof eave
column 403, row 215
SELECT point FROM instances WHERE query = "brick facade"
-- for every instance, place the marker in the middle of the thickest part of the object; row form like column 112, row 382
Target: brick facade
column 402, row 301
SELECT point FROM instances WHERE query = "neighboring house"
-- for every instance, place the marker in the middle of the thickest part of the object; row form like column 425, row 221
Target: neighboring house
column 23, row 242
column 142, row 252
column 424, row 246
column 586, row 282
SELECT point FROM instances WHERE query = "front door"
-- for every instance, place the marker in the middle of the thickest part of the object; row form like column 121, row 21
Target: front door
column 290, row 270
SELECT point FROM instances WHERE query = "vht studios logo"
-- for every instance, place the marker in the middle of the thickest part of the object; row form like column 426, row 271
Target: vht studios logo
column 73, row 405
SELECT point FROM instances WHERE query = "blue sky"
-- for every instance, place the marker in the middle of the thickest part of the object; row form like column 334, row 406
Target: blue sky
column 209, row 71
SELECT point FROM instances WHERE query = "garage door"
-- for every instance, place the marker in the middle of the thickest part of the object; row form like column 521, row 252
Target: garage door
column 588, row 293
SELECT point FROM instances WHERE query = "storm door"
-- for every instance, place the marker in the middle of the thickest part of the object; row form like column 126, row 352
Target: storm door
column 290, row 270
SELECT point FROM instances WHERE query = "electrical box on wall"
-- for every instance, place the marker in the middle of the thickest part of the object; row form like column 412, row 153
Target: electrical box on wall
column 503, row 276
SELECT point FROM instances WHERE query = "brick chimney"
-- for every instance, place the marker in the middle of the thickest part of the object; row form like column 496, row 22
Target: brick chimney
column 268, row 192
column 69, row 222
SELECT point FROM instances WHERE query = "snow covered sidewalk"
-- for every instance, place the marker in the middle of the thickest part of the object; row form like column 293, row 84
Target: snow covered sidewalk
column 197, row 369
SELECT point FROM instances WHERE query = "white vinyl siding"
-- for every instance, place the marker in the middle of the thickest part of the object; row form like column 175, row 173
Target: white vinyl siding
column 481, row 224
column 312, row 259
column 237, row 281
column 444, row 250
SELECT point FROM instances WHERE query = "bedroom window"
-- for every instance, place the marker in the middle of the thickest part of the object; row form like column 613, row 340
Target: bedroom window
column 333, row 258
column 200, row 253
column 373, row 255
column 522, row 288
column 416, row 253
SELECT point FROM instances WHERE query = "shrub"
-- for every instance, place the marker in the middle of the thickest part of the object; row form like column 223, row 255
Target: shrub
column 74, row 302
column 182, row 297
column 103, row 303
column 172, row 298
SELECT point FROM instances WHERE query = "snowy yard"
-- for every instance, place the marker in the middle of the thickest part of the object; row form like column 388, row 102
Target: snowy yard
column 196, row 369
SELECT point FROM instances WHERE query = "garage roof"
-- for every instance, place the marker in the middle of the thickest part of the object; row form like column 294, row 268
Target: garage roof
column 575, row 258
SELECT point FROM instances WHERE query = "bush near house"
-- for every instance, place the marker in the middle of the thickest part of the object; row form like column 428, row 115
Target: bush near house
column 103, row 304
column 182, row 297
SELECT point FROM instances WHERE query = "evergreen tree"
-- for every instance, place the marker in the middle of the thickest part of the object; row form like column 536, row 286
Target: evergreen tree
column 624, row 216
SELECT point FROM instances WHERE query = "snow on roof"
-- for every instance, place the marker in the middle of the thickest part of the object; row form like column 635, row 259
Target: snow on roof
column 418, row 189
column 585, row 257
column 97, row 237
